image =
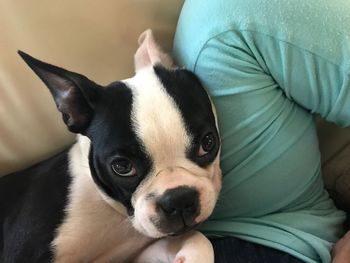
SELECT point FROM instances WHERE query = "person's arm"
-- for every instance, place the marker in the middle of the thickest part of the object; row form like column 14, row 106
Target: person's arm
column 341, row 250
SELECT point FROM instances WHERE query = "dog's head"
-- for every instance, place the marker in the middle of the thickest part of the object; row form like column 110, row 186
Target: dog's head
column 154, row 143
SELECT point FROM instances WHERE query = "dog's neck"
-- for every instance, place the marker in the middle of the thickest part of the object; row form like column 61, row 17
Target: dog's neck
column 79, row 167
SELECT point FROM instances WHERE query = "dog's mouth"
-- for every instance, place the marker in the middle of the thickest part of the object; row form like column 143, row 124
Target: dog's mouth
column 184, row 230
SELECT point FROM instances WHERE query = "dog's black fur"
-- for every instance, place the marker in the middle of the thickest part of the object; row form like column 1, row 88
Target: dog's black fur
column 32, row 205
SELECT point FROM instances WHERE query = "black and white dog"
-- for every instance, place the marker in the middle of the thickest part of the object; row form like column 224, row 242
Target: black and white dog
column 143, row 172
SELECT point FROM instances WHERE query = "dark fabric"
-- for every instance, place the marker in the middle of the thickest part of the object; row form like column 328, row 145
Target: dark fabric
column 234, row 250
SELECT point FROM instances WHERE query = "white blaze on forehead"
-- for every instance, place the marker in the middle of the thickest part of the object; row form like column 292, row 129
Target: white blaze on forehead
column 156, row 118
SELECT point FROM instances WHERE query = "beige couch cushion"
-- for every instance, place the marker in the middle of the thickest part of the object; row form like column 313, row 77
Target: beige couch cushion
column 95, row 38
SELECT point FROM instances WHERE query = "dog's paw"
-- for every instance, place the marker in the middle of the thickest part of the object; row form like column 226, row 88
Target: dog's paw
column 195, row 248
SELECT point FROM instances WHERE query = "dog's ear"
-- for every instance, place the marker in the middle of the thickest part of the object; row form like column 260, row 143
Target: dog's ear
column 73, row 93
column 149, row 53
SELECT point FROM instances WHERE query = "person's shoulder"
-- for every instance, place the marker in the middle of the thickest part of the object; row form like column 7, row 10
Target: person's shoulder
column 199, row 21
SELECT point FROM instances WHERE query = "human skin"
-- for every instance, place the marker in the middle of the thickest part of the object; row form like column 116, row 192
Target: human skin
column 341, row 250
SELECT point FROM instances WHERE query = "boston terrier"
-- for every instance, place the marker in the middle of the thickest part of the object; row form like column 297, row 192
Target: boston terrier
column 143, row 173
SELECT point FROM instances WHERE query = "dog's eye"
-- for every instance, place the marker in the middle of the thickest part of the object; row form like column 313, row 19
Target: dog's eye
column 207, row 144
column 123, row 167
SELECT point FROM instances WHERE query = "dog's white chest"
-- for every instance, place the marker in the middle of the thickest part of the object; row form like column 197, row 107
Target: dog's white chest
column 96, row 238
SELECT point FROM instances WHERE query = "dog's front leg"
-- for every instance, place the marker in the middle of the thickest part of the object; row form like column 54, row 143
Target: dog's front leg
column 192, row 247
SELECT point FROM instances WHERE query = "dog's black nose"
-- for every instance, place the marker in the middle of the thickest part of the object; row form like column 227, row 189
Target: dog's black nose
column 178, row 207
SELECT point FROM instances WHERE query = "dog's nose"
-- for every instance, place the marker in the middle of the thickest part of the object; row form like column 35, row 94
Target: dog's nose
column 179, row 206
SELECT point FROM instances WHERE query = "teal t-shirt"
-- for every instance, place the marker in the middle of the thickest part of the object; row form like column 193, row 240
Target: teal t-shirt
column 268, row 65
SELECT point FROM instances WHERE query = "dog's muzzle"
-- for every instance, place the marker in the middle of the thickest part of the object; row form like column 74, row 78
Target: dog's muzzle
column 177, row 209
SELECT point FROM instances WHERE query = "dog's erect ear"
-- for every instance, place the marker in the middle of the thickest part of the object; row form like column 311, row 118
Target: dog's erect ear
column 149, row 53
column 73, row 93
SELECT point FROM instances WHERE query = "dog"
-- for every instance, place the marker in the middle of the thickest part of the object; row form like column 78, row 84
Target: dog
column 143, row 174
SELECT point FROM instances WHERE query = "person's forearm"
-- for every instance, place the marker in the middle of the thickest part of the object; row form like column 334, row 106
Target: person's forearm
column 341, row 250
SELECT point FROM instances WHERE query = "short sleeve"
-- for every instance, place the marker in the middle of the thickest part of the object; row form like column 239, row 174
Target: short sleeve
column 268, row 65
